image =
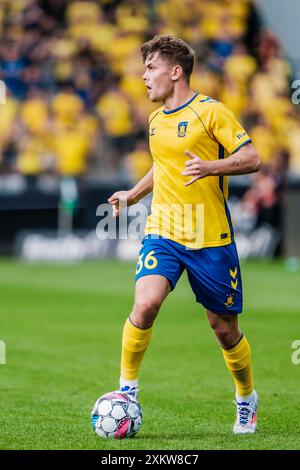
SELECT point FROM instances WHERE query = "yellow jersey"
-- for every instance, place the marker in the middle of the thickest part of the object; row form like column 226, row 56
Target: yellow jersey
column 196, row 216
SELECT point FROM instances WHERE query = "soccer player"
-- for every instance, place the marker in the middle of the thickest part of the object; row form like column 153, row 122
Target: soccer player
column 195, row 143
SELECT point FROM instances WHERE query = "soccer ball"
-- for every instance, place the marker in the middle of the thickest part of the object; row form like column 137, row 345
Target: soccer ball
column 116, row 415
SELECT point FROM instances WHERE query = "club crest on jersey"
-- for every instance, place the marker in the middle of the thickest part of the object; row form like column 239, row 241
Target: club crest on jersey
column 181, row 130
column 152, row 131
column 230, row 300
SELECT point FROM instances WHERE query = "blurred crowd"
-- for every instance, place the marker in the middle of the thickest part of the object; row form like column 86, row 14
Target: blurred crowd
column 76, row 104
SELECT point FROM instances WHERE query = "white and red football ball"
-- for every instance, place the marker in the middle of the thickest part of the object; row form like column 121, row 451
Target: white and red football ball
column 116, row 415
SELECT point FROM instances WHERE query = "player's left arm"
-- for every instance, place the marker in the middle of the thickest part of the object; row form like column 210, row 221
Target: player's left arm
column 243, row 161
column 223, row 128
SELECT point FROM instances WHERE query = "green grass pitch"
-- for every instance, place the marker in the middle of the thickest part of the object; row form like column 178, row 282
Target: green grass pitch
column 62, row 327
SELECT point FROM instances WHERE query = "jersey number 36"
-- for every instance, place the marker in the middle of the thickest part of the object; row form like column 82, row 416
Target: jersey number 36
column 150, row 262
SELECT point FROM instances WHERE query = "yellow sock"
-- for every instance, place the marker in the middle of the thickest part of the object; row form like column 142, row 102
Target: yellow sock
column 134, row 344
column 238, row 361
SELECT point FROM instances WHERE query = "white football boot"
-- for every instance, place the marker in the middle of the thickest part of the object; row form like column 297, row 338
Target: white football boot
column 246, row 416
column 131, row 391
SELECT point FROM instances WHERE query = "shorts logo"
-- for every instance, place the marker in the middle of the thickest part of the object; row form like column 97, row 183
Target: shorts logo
column 230, row 300
column 181, row 130
column 234, row 280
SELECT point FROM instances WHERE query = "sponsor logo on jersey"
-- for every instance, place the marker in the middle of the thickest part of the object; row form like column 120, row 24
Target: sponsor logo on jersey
column 240, row 135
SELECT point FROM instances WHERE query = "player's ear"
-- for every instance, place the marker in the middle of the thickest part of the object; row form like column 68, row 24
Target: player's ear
column 176, row 72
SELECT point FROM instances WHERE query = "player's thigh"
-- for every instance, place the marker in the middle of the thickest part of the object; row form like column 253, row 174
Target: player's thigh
column 152, row 289
column 158, row 270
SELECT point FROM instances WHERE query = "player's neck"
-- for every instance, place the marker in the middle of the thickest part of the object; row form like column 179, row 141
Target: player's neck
column 178, row 98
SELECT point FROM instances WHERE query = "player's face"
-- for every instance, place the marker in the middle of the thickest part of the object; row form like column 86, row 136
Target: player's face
column 157, row 77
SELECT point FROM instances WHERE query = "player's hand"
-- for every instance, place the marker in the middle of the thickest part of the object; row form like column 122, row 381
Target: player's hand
column 196, row 168
column 120, row 199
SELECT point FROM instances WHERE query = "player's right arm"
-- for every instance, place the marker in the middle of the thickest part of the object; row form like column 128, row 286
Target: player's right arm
column 133, row 195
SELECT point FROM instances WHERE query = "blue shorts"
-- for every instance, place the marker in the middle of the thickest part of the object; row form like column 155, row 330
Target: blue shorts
column 213, row 273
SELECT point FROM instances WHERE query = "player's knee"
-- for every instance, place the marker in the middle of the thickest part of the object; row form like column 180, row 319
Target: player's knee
column 222, row 328
column 224, row 336
column 219, row 325
column 144, row 313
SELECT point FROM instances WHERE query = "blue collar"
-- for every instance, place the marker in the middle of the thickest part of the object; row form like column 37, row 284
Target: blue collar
column 182, row 106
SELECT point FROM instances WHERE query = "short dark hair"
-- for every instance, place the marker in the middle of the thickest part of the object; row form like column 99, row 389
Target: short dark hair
column 174, row 49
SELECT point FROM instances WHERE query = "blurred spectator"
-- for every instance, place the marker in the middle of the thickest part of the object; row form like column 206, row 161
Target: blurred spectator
column 76, row 100
column 264, row 199
column 116, row 120
column 139, row 161
column 13, row 65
